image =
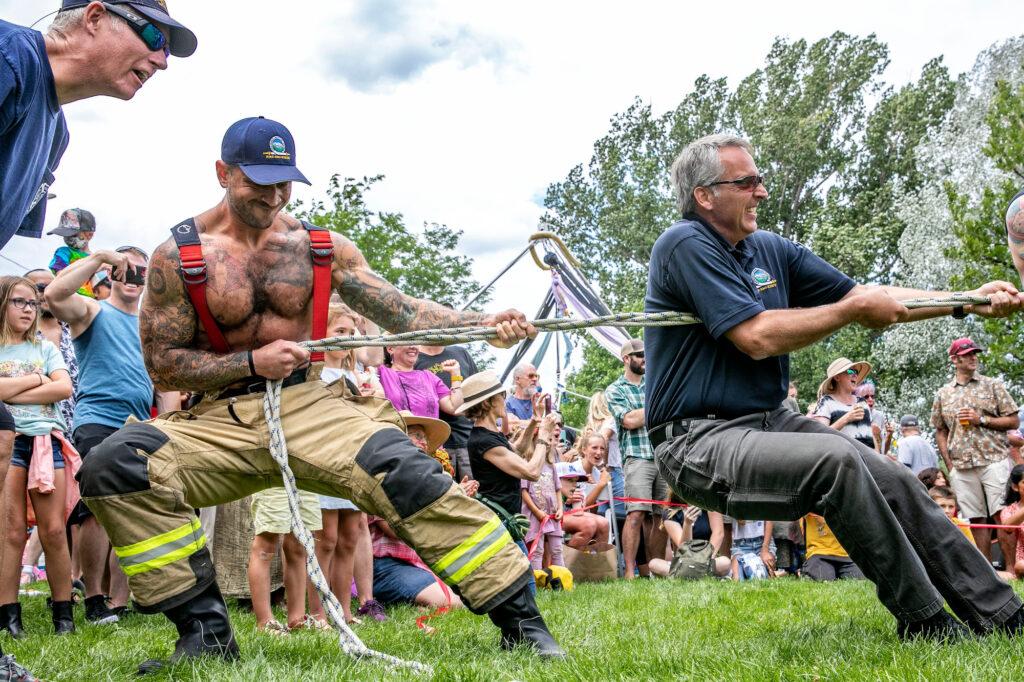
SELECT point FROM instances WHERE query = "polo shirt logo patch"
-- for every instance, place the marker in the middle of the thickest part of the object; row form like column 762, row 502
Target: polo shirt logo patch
column 762, row 280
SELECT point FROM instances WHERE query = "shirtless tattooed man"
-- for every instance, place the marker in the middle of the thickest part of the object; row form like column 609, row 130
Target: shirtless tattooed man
column 223, row 331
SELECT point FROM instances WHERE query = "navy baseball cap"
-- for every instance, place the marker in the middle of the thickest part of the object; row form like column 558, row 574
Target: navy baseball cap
column 183, row 41
column 263, row 149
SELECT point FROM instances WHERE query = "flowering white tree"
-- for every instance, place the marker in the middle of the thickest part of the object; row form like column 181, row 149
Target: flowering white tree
column 952, row 153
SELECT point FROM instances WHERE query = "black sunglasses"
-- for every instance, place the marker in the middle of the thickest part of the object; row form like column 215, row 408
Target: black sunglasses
column 152, row 36
column 638, row 354
column 747, row 182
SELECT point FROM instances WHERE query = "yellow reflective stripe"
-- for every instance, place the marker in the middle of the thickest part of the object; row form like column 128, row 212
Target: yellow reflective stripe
column 168, row 558
column 481, row 557
column 156, row 541
column 466, row 545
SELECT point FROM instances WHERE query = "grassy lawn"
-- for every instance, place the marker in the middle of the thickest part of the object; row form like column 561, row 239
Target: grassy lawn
column 646, row 630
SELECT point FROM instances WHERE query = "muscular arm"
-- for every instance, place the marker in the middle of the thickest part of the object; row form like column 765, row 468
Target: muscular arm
column 168, row 325
column 379, row 300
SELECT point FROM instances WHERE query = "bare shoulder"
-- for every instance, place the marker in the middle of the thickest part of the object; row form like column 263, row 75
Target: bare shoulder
column 163, row 280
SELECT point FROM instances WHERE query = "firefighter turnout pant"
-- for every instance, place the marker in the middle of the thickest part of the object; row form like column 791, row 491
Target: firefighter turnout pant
column 144, row 482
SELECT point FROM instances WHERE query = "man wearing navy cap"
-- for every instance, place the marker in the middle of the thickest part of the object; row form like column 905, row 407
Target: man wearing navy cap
column 91, row 48
column 724, row 442
column 228, row 300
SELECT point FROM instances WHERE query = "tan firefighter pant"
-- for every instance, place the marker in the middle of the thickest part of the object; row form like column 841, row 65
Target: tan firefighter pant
column 144, row 482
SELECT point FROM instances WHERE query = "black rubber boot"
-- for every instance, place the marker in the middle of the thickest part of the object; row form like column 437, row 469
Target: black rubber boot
column 203, row 630
column 940, row 627
column 10, row 620
column 521, row 623
column 63, row 617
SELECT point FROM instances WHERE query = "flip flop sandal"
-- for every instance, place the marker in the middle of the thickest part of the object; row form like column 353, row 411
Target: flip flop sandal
column 274, row 628
column 312, row 623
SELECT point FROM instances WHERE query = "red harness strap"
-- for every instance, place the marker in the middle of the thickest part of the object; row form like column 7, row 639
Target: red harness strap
column 194, row 274
column 322, row 251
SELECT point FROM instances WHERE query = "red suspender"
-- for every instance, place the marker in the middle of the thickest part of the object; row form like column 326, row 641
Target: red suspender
column 193, row 273
column 322, row 251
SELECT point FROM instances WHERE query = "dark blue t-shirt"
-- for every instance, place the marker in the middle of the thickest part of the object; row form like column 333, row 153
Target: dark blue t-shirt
column 694, row 370
column 33, row 133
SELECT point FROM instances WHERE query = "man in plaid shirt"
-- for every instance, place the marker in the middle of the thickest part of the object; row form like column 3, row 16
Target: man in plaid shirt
column 626, row 403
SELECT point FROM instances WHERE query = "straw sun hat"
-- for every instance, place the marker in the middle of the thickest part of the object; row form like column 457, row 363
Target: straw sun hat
column 478, row 388
column 437, row 431
column 840, row 365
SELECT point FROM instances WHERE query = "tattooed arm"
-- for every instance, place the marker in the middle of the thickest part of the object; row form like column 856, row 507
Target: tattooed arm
column 168, row 326
column 379, row 300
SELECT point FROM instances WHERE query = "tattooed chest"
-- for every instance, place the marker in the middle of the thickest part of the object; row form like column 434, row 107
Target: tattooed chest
column 260, row 294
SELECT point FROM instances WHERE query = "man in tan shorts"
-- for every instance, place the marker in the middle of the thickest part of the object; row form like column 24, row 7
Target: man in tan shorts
column 226, row 303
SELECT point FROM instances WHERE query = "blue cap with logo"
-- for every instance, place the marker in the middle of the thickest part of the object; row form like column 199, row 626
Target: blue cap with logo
column 182, row 40
column 263, row 149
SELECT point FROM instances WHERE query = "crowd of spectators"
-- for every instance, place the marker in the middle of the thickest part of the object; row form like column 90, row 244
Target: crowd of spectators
column 71, row 373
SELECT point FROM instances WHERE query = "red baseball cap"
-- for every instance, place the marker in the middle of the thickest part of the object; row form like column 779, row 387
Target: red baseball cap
column 963, row 347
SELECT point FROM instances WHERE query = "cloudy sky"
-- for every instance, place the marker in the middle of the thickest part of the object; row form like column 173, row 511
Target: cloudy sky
column 469, row 108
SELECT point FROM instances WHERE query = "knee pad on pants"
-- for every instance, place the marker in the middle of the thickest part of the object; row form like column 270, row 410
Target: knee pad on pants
column 115, row 467
column 412, row 479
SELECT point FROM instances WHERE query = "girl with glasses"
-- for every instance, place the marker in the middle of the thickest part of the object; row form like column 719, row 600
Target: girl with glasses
column 33, row 379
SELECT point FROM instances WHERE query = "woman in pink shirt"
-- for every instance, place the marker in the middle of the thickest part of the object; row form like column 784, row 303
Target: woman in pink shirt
column 417, row 390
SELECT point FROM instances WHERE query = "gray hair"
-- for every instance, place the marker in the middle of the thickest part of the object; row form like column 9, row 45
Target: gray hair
column 68, row 20
column 521, row 369
column 698, row 165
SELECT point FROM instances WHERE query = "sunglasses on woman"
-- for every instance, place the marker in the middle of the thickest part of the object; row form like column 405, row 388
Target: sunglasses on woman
column 152, row 36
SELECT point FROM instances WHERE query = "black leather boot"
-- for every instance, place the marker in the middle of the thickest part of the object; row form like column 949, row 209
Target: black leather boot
column 940, row 627
column 203, row 630
column 521, row 623
column 10, row 620
column 63, row 617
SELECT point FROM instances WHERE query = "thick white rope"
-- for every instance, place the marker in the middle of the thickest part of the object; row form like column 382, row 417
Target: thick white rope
column 349, row 642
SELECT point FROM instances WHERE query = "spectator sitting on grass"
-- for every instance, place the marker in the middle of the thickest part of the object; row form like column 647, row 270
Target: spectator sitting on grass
column 1013, row 515
column 399, row 574
column 753, row 549
column 691, row 529
column 826, row 558
column 589, row 531
column 932, row 477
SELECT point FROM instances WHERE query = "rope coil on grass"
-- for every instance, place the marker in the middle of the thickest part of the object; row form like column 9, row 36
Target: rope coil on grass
column 349, row 642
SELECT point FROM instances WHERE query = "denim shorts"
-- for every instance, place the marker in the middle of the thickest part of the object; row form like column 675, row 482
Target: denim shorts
column 22, row 454
column 750, row 546
column 395, row 581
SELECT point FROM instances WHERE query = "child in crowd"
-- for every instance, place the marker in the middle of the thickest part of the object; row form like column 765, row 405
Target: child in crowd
column 343, row 545
column 946, row 499
column 77, row 226
column 1013, row 514
column 542, row 504
column 33, row 379
column 753, row 550
column 932, row 477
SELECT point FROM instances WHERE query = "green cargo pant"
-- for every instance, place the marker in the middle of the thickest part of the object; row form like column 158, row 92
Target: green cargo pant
column 144, row 482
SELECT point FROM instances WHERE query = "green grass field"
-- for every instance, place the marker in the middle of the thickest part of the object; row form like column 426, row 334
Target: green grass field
column 645, row 630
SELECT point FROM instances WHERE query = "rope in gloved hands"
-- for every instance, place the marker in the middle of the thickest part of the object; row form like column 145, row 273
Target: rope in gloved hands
column 349, row 642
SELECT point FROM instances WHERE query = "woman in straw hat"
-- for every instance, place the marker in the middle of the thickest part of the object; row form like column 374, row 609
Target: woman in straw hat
column 501, row 465
column 839, row 407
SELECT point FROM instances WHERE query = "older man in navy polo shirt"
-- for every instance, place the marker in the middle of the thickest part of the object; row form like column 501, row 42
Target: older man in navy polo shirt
column 714, row 392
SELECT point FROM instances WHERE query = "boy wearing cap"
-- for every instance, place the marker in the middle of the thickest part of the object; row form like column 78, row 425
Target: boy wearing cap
column 77, row 226
column 91, row 48
column 971, row 415
column 224, row 312
column 912, row 450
